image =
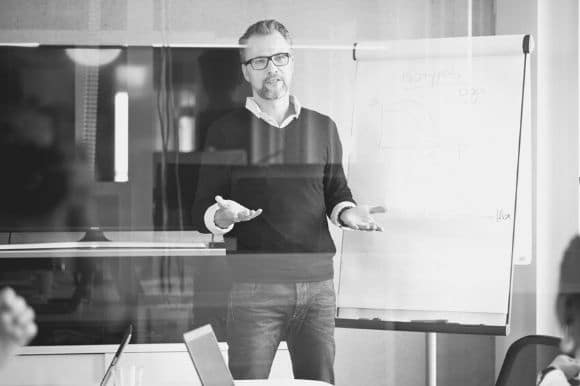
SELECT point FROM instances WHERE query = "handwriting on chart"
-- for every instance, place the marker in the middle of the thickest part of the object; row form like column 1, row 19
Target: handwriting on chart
column 500, row 215
column 470, row 95
column 416, row 79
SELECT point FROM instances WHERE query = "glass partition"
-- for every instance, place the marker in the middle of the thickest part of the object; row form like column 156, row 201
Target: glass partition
column 128, row 89
column 131, row 121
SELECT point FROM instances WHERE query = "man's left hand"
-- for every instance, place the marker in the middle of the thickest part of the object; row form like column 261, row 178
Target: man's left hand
column 360, row 217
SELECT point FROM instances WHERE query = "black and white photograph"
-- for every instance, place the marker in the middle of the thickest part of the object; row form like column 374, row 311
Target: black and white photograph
column 289, row 192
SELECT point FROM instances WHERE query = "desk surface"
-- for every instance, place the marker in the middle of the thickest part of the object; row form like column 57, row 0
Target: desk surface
column 280, row 382
column 259, row 382
column 108, row 244
column 107, row 249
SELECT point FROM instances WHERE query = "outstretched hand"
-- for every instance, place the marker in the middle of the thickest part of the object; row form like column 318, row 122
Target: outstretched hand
column 231, row 212
column 360, row 217
column 17, row 325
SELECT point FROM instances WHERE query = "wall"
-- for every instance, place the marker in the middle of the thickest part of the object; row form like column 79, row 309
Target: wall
column 557, row 148
column 555, row 155
column 363, row 357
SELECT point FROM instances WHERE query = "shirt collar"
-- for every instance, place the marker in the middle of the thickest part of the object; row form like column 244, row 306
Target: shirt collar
column 253, row 107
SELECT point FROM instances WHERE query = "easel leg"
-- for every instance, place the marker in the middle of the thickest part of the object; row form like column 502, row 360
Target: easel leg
column 431, row 348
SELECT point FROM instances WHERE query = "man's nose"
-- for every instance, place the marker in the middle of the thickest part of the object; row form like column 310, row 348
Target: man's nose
column 271, row 67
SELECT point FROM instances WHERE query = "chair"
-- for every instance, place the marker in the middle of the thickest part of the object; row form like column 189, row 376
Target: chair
column 525, row 358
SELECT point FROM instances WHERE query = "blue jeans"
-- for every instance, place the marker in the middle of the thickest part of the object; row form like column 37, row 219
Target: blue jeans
column 260, row 315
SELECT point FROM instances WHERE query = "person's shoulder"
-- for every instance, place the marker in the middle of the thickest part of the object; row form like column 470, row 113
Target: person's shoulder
column 321, row 121
column 313, row 114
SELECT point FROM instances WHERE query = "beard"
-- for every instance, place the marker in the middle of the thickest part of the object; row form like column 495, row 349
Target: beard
column 273, row 88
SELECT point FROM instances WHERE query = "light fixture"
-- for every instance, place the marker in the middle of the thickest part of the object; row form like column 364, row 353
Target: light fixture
column 12, row 44
column 93, row 56
column 121, row 137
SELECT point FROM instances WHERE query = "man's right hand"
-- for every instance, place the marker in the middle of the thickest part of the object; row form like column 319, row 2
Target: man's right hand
column 230, row 212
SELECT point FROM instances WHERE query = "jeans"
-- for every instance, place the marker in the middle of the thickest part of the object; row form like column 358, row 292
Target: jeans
column 260, row 315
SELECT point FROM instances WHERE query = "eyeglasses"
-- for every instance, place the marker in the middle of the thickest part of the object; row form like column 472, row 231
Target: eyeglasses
column 261, row 62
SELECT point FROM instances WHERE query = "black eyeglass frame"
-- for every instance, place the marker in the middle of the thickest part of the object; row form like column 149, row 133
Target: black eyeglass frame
column 270, row 58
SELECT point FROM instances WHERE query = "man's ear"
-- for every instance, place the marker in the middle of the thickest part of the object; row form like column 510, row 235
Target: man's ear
column 245, row 72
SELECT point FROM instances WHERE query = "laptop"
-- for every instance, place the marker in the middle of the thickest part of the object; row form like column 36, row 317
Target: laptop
column 207, row 359
column 115, row 361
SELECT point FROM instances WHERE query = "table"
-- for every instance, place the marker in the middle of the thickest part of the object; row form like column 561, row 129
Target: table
column 280, row 382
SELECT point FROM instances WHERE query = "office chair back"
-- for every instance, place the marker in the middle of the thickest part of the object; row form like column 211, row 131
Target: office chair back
column 525, row 358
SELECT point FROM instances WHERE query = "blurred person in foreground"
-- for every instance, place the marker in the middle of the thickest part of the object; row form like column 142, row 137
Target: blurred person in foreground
column 564, row 368
column 17, row 326
column 41, row 189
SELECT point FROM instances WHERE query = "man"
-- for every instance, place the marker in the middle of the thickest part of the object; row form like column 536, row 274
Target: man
column 275, row 206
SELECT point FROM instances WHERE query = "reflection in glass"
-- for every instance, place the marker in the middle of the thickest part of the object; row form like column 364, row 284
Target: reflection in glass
column 140, row 116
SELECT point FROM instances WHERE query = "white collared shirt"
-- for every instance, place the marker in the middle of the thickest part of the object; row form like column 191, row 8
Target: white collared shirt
column 253, row 107
column 554, row 378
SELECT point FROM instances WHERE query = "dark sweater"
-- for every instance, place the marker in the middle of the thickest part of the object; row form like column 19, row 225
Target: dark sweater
column 295, row 175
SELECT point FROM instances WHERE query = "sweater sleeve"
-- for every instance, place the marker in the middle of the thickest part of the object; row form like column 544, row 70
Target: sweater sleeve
column 336, row 188
column 213, row 178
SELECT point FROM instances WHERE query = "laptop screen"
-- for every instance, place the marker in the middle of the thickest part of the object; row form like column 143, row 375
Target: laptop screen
column 206, row 357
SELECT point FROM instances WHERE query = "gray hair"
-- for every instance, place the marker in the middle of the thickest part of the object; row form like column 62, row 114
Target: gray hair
column 263, row 27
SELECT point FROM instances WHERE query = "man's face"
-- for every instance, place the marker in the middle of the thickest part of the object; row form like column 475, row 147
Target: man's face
column 272, row 82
